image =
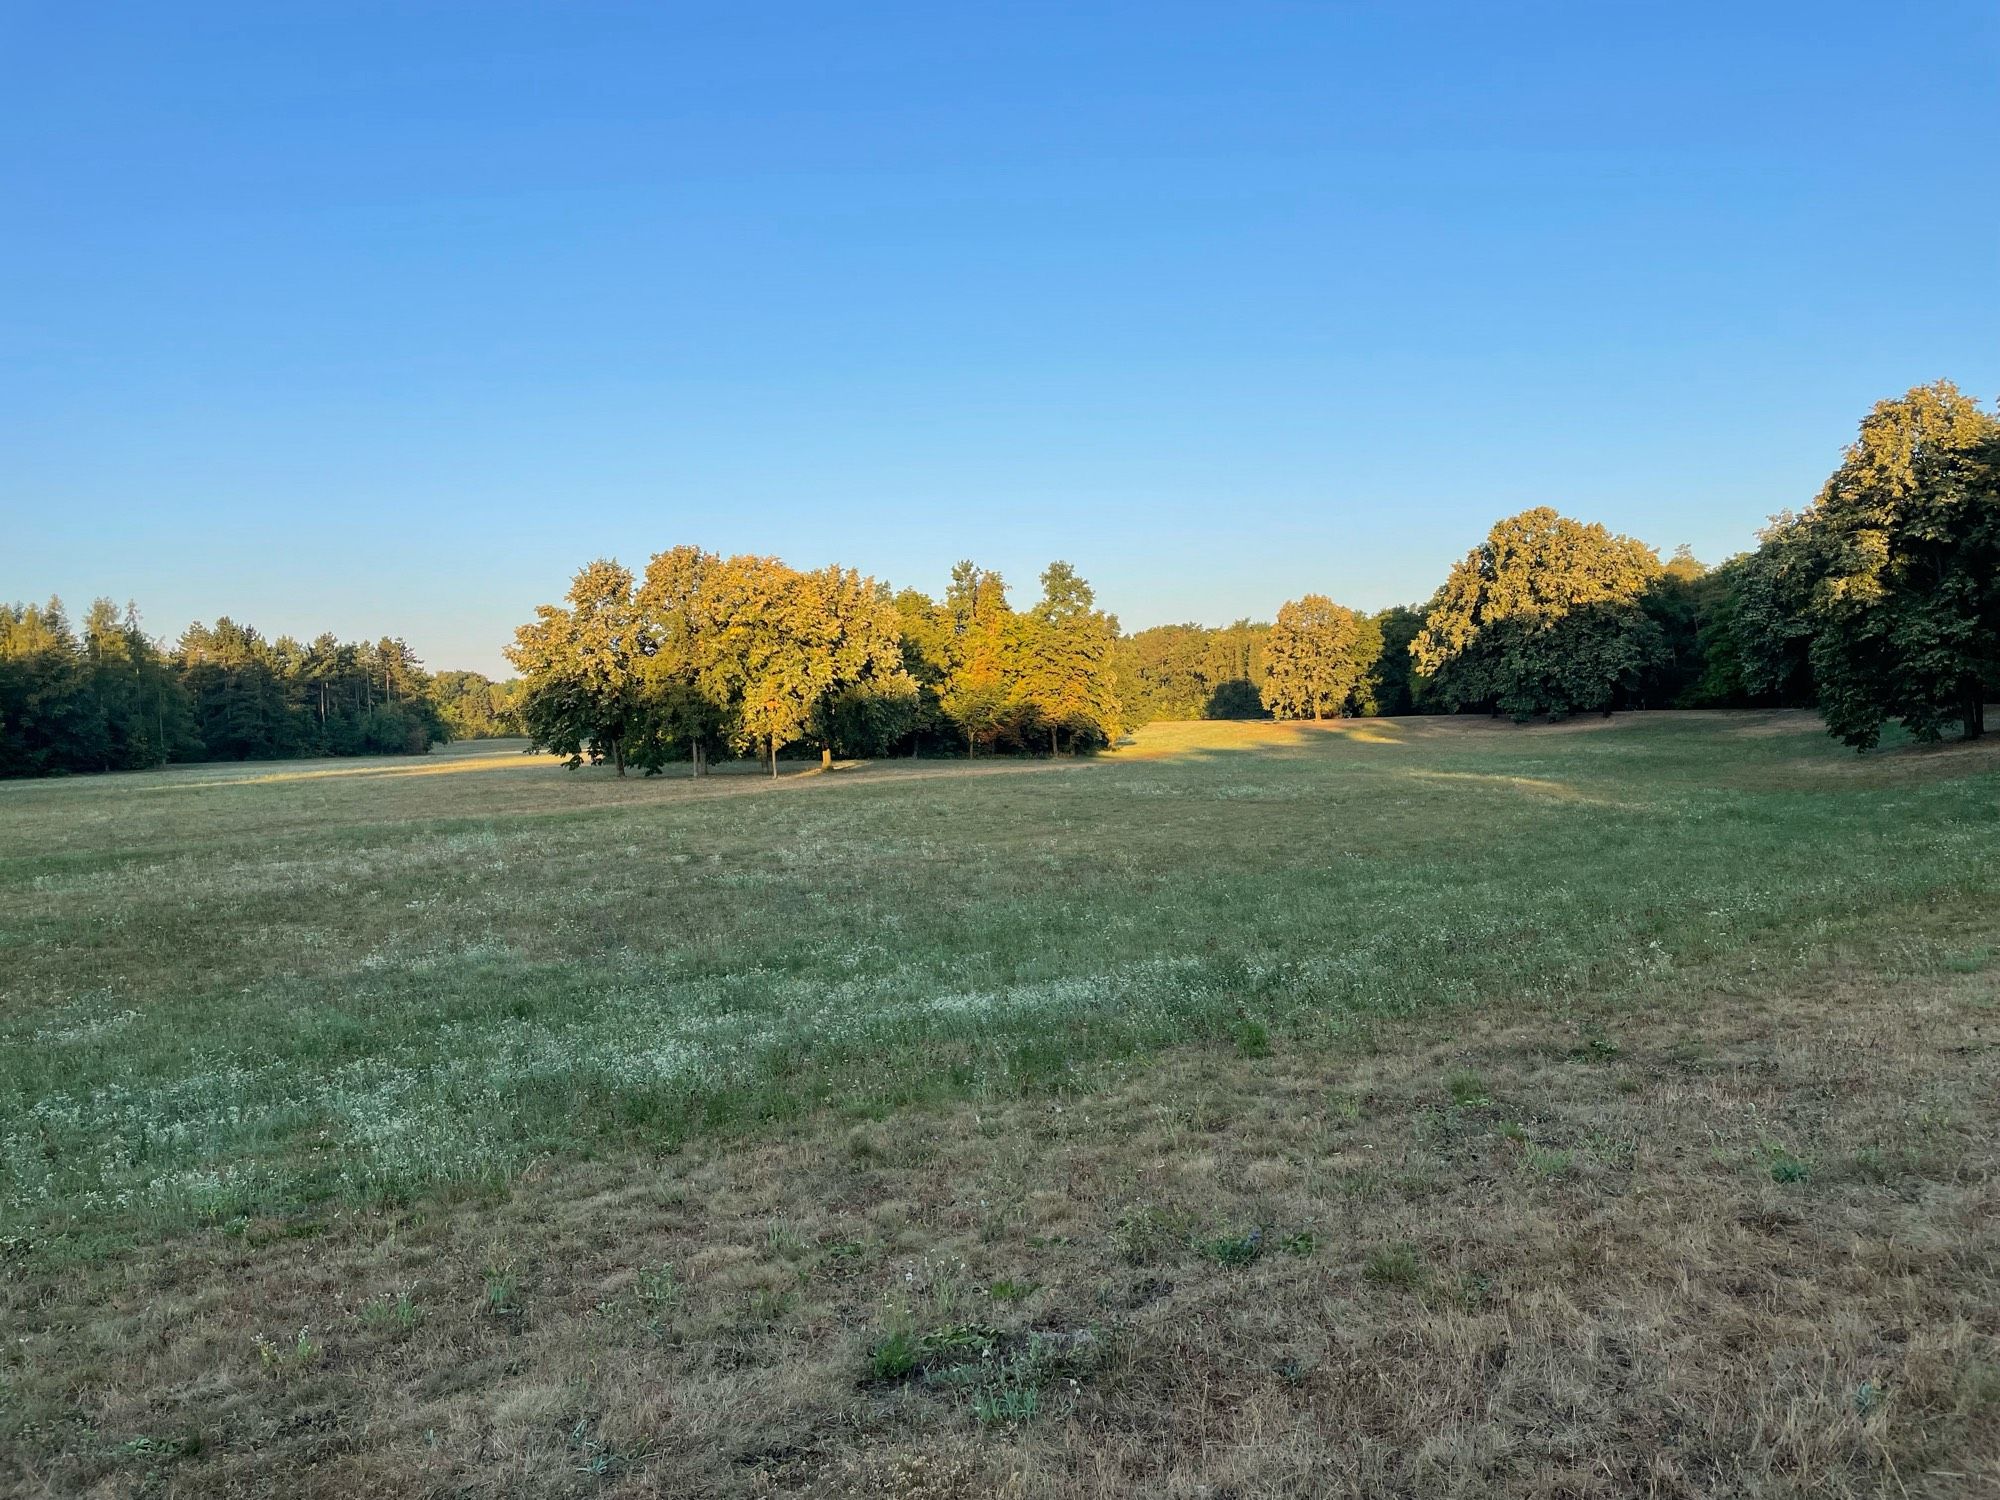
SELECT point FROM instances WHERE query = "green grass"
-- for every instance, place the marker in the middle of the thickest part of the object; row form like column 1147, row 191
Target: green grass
column 231, row 992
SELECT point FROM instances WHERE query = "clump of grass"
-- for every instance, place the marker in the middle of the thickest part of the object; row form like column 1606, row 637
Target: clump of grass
column 1010, row 1291
column 1784, row 1166
column 397, row 1314
column 1006, row 1404
column 1302, row 1243
column 1594, row 1046
column 892, row 1356
column 1550, row 1161
column 1150, row 1231
column 1468, row 1089
column 1233, row 1249
column 1394, row 1265
column 1472, row 1291
column 283, row 1357
column 1871, row 1164
column 503, row 1292
column 1000, row 1375
column 784, row 1242
column 1251, row 1037
column 765, row 1305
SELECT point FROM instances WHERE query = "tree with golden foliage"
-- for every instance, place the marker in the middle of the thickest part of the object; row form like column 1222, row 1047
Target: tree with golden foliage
column 1313, row 658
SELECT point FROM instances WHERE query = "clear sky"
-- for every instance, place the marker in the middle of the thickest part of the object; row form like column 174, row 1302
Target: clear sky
column 385, row 318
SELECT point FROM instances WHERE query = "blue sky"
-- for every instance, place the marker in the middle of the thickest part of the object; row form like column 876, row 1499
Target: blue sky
column 385, row 318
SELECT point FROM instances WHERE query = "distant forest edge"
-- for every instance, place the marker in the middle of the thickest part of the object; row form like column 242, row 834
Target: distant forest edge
column 114, row 699
column 1880, row 601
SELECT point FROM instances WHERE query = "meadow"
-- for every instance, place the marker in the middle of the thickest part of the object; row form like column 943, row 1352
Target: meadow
column 1404, row 1106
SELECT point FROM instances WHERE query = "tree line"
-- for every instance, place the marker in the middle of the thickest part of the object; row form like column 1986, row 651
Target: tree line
column 704, row 656
column 1878, row 602
column 108, row 697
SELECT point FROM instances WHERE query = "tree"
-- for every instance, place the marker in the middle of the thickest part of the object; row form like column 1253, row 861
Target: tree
column 863, row 697
column 1902, row 551
column 474, row 707
column 1312, row 659
column 1066, row 666
column 581, row 666
column 48, row 721
column 982, row 679
column 1544, row 616
column 1390, row 685
column 1190, row 672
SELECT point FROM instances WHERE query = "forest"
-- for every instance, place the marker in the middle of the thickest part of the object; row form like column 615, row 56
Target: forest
column 108, row 697
column 1878, row 602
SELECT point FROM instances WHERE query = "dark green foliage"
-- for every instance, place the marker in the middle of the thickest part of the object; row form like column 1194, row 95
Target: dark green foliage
column 1237, row 698
column 1902, row 551
column 475, row 707
column 1192, row 672
column 115, row 701
column 1546, row 616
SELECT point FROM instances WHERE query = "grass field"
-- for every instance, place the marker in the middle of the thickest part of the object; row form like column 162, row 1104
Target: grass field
column 1396, row 1107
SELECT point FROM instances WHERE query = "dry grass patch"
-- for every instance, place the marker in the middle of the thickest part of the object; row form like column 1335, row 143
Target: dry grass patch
column 1739, row 1245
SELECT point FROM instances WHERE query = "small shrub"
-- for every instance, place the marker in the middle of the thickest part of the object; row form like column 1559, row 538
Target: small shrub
column 1010, row 1291
column 892, row 1356
column 1302, row 1244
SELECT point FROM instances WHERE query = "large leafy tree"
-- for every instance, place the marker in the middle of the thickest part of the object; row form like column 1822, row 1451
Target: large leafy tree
column 1901, row 552
column 1544, row 617
column 982, row 686
column 863, row 697
column 582, row 667
column 1066, row 666
column 1314, row 658
column 680, row 711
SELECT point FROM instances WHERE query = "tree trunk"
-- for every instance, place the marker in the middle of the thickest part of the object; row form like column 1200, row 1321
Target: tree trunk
column 826, row 757
column 1052, row 741
column 1975, row 714
column 694, row 759
column 774, row 757
column 618, row 754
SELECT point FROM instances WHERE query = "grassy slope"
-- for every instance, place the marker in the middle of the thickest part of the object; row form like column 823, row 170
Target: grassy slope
column 1677, row 961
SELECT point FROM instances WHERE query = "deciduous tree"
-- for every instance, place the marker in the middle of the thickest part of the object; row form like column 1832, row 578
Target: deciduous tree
column 1544, row 616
